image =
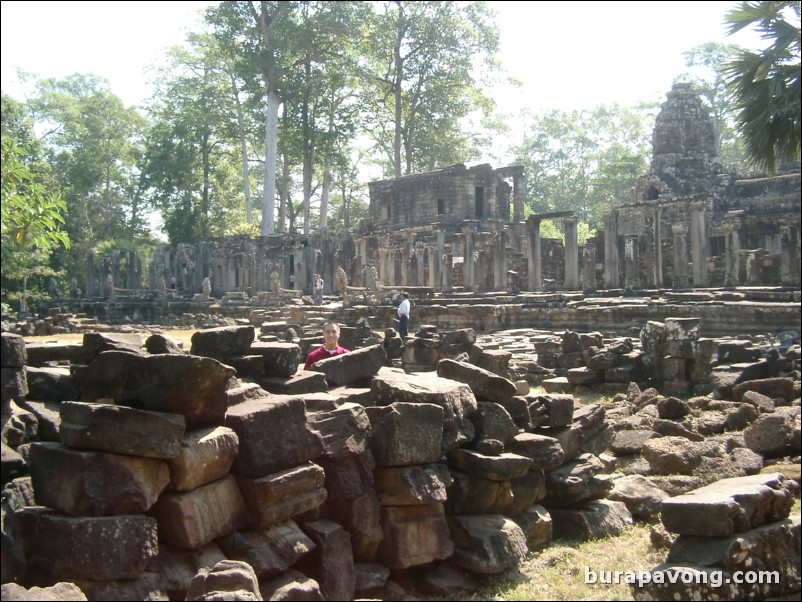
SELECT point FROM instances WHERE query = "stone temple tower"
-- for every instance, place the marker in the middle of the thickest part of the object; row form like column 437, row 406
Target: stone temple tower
column 684, row 146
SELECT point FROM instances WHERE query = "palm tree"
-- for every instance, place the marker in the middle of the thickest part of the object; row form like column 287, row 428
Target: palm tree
column 766, row 85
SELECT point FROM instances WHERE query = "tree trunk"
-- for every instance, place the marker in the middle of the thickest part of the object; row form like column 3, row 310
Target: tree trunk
column 324, row 194
column 246, row 183
column 271, row 150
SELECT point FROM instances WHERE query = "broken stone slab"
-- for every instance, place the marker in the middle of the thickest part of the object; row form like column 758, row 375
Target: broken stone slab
column 95, row 343
column 770, row 547
column 492, row 421
column 282, row 495
column 729, row 506
column 412, row 485
column 13, row 385
column 269, row 551
column 194, row 518
column 227, row 580
column 222, row 342
column 775, row 388
column 61, row 591
column 331, row 562
column 685, row 581
column 83, row 547
column 353, row 367
column 247, row 365
column 536, row 524
column 176, row 567
column 273, row 435
column 502, row 467
column 672, row 455
column 296, row 384
column 487, row 544
column 292, row 585
column 83, row 483
column 12, row 351
column 343, row 430
column 484, row 383
column 456, row 399
column 361, row 517
column 772, row 435
column 121, row 430
column 545, row 452
column 43, row 354
column 404, row 434
column 576, row 481
column 642, row 497
column 551, row 409
column 350, row 476
column 590, row 520
column 159, row 383
column 147, row 586
column 47, row 416
column 414, row 535
column 280, row 359
column 158, row 343
column 628, row 442
column 204, row 456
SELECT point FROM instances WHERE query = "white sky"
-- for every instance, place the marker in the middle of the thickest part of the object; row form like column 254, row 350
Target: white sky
column 569, row 55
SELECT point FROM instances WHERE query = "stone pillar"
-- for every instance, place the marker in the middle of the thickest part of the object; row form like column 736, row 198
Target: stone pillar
column 732, row 254
column 571, row 254
column 679, row 233
column 90, row 274
column 383, row 265
column 405, row 258
column 612, row 278
column 753, row 267
column 468, row 267
column 448, row 269
column 698, row 244
column 440, row 258
column 518, row 192
column 535, row 268
column 434, row 266
column 589, row 268
column 789, row 253
column 658, row 248
column 420, row 277
column 631, row 262
column 500, row 261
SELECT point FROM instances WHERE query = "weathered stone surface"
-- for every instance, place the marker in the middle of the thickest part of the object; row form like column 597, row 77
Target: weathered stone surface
column 13, row 384
column 12, row 350
column 60, row 591
column 576, row 481
column 269, row 551
column 276, row 497
column 492, row 421
column 772, row 434
column 158, row 343
column 227, row 580
column 412, row 485
column 159, row 383
column 590, row 520
column 729, row 506
column 456, row 399
column 403, row 434
column 414, row 535
column 487, row 544
column 672, row 455
column 772, row 547
column 222, row 342
column 205, row 455
column 292, row 585
column 281, row 359
column 94, row 483
column 628, row 442
column 194, row 518
column 50, row 384
column 12, row 464
column 551, row 409
column 546, row 452
column 782, row 388
column 686, row 582
column 147, row 586
column 96, row 343
column 121, row 430
column 80, row 547
column 361, row 517
column 642, row 497
column 484, row 383
column 177, row 567
column 299, row 383
column 352, row 367
column 343, row 430
column 43, row 354
column 331, row 563
column 350, row 476
column 536, row 524
column 273, row 435
column 503, row 467
column 47, row 416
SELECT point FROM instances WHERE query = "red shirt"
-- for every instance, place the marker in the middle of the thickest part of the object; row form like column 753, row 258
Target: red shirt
column 321, row 353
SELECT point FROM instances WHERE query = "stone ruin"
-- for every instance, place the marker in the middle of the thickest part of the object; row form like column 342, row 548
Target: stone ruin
column 137, row 470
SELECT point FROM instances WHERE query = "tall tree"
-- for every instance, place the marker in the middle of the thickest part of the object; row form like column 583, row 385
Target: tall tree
column 423, row 61
column 766, row 85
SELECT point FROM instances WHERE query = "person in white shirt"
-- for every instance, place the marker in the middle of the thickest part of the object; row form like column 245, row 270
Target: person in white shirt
column 403, row 316
column 317, row 293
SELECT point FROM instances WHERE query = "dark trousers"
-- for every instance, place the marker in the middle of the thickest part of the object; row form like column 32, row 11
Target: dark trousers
column 403, row 326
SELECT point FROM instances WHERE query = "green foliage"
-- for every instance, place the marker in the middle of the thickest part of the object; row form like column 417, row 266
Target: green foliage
column 766, row 85
column 584, row 161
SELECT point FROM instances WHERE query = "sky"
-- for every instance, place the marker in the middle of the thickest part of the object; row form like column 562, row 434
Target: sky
column 568, row 55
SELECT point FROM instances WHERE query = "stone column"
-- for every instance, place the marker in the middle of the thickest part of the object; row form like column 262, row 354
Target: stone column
column 732, row 253
column 90, row 274
column 383, row 266
column 440, row 258
column 500, row 261
column 420, row 277
column 698, row 244
column 571, row 254
column 434, row 266
column 631, row 262
column 612, row 278
column 535, row 268
column 518, row 192
column 405, row 257
column 658, row 248
column 679, row 233
column 589, row 268
column 468, row 259
column 789, row 251
column 448, row 269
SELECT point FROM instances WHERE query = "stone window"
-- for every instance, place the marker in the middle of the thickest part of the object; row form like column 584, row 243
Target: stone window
column 387, row 212
column 441, row 207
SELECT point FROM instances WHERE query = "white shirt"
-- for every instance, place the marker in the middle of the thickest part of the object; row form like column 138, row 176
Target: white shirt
column 403, row 308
